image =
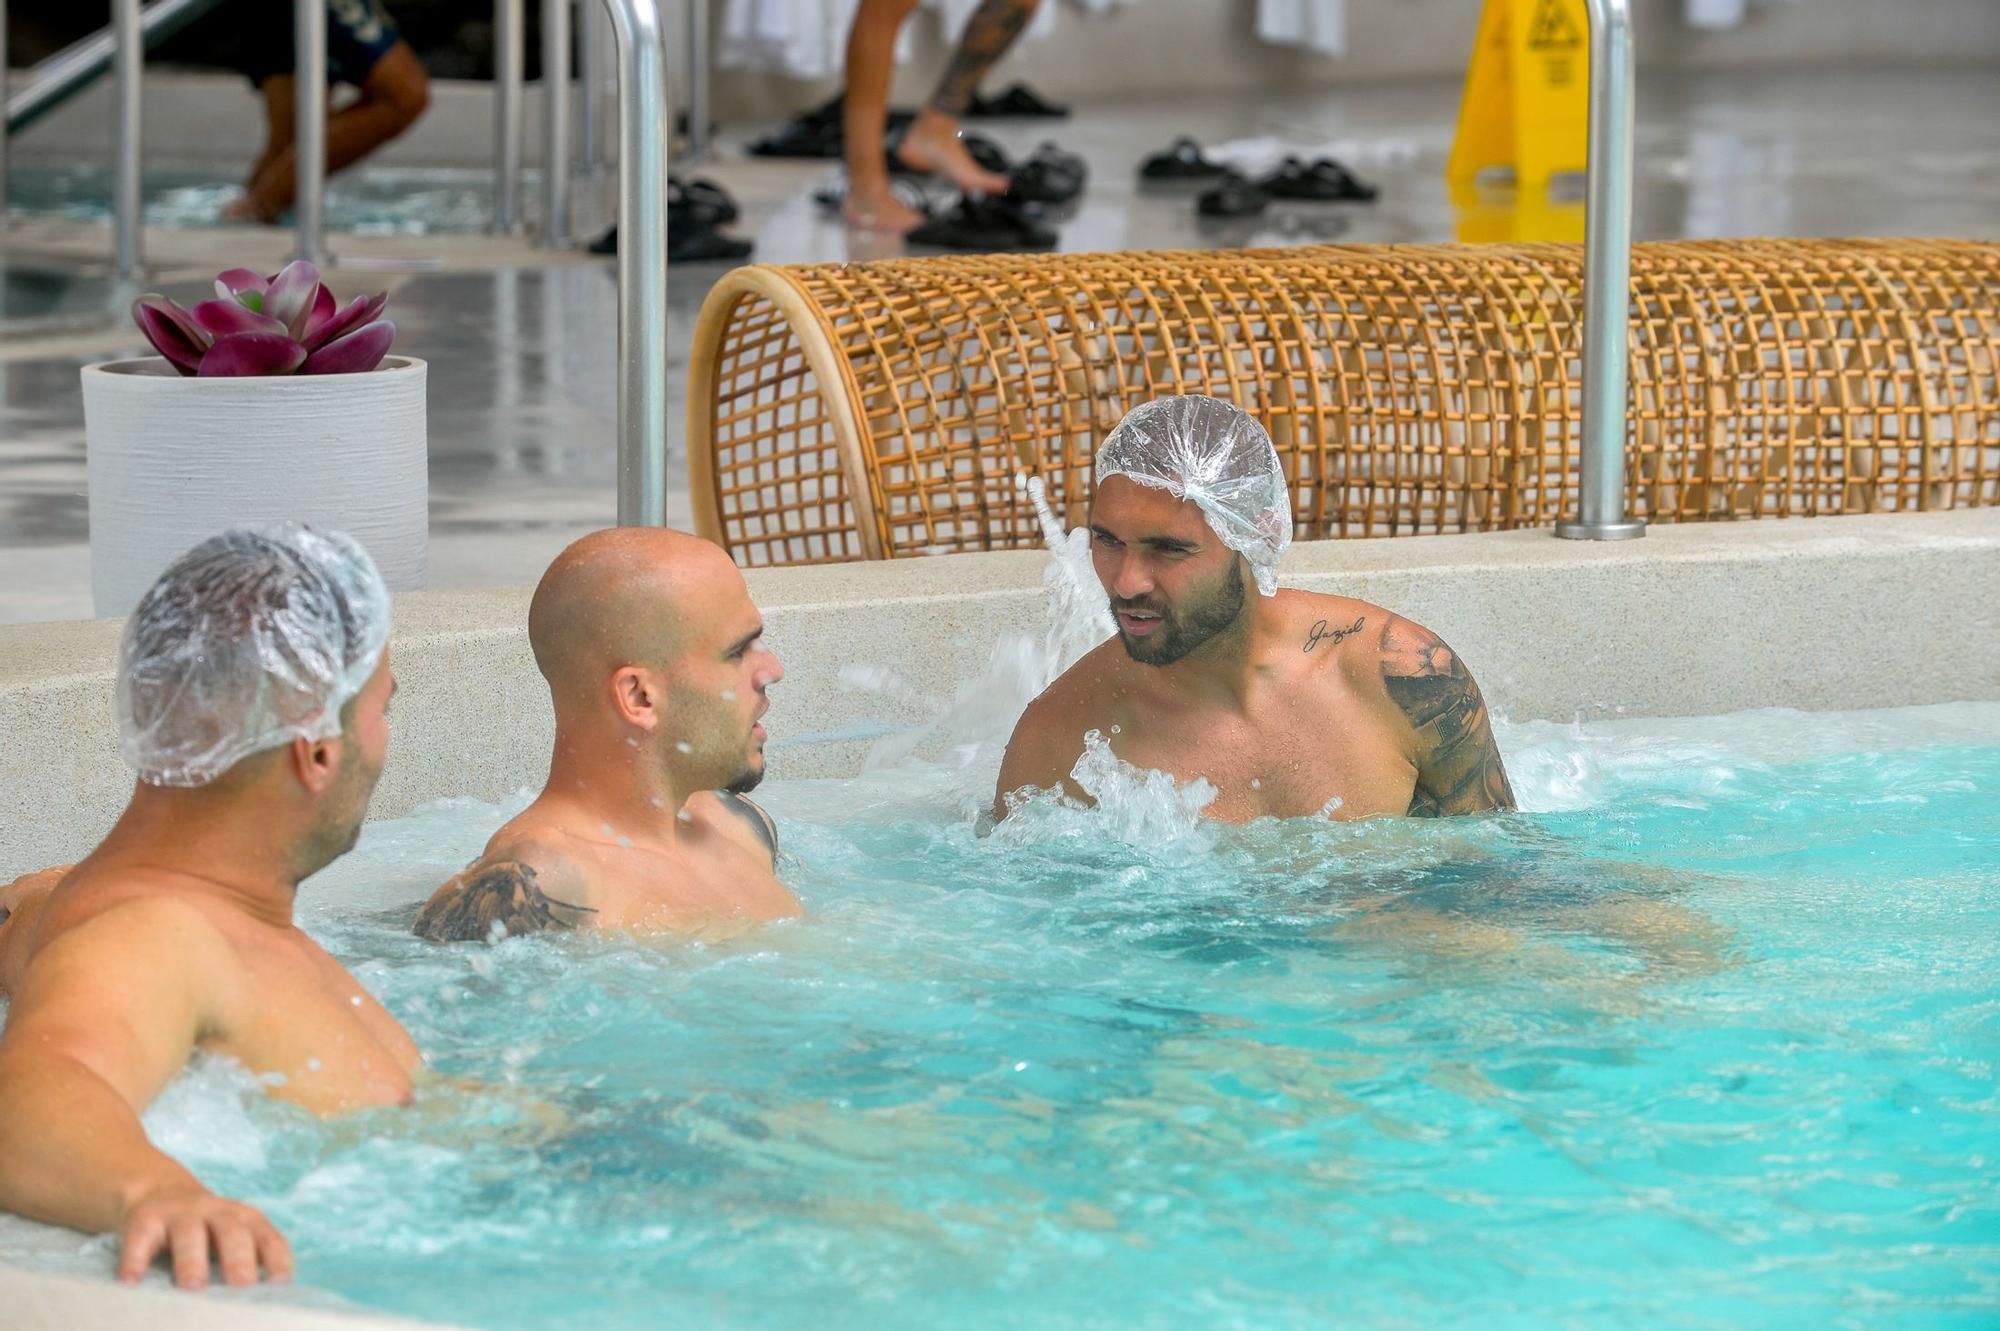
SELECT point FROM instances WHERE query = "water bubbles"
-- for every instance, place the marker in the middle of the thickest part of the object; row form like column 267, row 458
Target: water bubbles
column 356, row 1000
column 685, row 816
column 682, row 746
column 495, row 932
column 1255, row 784
column 1331, row 807
column 656, row 802
column 1020, row 1067
column 632, row 740
column 1118, row 730
column 729, row 695
column 624, row 843
column 312, row 1065
column 607, row 829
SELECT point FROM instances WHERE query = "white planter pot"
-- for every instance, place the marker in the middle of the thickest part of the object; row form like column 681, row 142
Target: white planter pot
column 174, row 460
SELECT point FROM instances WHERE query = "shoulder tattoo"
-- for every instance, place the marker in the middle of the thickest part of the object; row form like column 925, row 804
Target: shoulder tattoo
column 489, row 902
column 1320, row 633
column 753, row 815
column 1458, row 768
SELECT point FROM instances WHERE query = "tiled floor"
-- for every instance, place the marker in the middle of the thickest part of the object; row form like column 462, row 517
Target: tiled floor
column 523, row 391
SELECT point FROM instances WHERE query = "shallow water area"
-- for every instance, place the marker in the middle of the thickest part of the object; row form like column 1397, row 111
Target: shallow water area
column 1705, row 1038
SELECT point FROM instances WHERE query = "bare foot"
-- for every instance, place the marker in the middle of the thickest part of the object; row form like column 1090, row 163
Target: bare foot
column 881, row 210
column 931, row 144
column 243, row 208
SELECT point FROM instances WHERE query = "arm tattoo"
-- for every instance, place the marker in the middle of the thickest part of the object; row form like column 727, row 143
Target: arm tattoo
column 1458, row 766
column 492, row 901
column 988, row 33
column 753, row 815
column 1321, row 633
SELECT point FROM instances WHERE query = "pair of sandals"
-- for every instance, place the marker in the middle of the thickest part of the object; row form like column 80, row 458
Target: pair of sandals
column 696, row 211
column 819, row 134
column 1323, row 181
column 1019, row 102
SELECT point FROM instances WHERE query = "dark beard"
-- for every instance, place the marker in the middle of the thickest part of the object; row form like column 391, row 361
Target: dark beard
column 1176, row 637
column 744, row 784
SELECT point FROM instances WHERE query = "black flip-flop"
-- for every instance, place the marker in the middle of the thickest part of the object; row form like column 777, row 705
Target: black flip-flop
column 1018, row 102
column 1050, row 176
column 701, row 201
column 986, row 224
column 1325, row 181
column 1232, row 196
column 817, row 133
column 701, row 244
column 1180, row 162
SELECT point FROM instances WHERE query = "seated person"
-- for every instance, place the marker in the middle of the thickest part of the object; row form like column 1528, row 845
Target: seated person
column 363, row 49
column 1289, row 703
column 657, row 669
column 253, row 690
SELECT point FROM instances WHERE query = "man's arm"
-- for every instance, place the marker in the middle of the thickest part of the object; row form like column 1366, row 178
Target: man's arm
column 1037, row 755
column 1458, row 765
column 105, row 1016
column 510, row 890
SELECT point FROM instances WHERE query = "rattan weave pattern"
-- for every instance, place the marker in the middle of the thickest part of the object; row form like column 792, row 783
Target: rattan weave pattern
column 873, row 410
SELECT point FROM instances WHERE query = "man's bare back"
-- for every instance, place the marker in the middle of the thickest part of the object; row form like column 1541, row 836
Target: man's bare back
column 260, row 990
column 1350, row 712
column 556, row 866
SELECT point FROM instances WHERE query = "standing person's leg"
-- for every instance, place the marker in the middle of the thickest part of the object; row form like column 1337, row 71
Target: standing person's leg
column 931, row 142
column 871, row 60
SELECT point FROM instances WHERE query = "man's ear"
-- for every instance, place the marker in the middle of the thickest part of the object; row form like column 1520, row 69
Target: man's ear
column 640, row 697
column 316, row 762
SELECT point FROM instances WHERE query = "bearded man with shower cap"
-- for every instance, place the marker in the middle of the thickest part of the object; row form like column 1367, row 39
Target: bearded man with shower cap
column 1292, row 704
column 253, row 690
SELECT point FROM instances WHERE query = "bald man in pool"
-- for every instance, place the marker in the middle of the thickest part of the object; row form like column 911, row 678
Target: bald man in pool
column 253, row 689
column 1291, row 704
column 657, row 668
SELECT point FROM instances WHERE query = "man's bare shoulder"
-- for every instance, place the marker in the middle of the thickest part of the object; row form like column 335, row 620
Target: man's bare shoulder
column 1049, row 735
column 112, row 927
column 1326, row 627
column 522, row 883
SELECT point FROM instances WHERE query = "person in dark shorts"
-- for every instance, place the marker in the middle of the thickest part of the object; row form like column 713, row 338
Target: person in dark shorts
column 363, row 50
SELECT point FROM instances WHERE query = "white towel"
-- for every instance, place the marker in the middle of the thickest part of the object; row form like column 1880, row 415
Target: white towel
column 1715, row 13
column 807, row 39
column 1318, row 25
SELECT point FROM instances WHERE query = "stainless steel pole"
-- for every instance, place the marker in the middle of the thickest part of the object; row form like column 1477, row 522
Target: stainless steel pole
column 555, row 123
column 128, row 260
column 697, row 80
column 642, row 262
column 589, row 74
column 509, row 59
column 69, row 71
column 309, row 115
column 1607, row 281
column 3, row 102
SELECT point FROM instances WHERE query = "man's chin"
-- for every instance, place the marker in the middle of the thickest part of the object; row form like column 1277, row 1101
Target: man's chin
column 747, row 782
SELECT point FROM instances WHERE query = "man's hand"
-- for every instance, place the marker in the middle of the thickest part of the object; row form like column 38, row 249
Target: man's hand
column 192, row 1226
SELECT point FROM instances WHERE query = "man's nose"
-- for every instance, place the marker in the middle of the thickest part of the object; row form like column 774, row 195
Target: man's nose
column 772, row 673
column 1130, row 580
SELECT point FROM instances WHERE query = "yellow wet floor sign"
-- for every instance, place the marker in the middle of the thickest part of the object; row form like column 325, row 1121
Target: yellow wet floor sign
column 1527, row 93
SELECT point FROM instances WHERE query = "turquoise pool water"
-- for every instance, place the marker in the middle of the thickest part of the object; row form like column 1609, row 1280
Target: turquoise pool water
column 373, row 200
column 1706, row 1039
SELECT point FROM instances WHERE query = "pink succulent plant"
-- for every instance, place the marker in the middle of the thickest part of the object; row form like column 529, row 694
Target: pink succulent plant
column 289, row 324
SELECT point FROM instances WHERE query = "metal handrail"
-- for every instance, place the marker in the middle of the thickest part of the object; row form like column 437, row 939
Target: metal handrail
column 643, row 127
column 127, row 196
column 309, row 136
column 1607, row 281
column 555, row 123
column 509, row 57
column 81, row 63
column 697, row 80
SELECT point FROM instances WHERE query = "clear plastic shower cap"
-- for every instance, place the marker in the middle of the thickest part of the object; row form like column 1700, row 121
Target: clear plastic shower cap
column 252, row 639
column 1216, row 454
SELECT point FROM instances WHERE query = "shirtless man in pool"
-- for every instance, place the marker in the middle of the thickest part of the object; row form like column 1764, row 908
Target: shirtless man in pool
column 1291, row 704
column 658, row 672
column 253, row 696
